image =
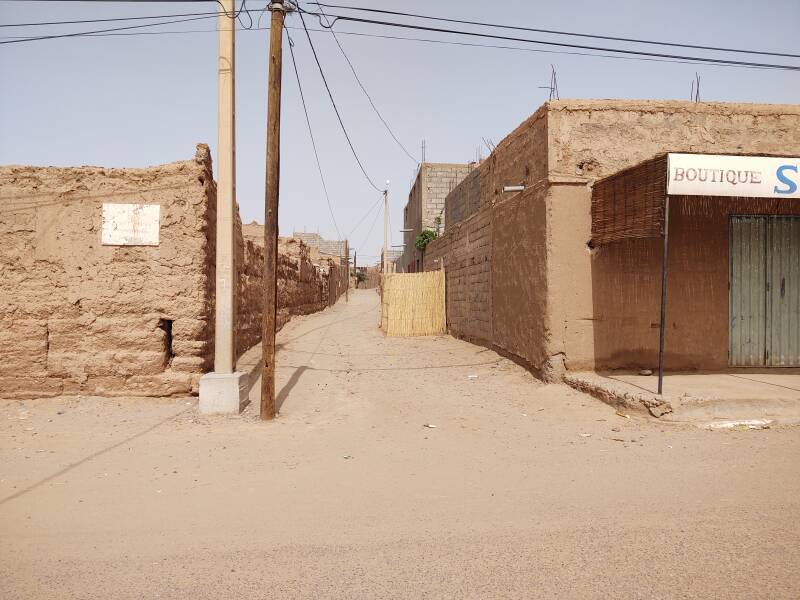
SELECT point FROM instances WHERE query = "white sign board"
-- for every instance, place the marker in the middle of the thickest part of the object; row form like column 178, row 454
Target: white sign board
column 130, row 224
column 743, row 176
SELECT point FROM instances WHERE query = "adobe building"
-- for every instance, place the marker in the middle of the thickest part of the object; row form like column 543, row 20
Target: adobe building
column 553, row 247
column 108, row 279
column 425, row 208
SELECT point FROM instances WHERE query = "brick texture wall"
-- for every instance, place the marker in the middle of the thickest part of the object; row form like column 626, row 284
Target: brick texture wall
column 466, row 253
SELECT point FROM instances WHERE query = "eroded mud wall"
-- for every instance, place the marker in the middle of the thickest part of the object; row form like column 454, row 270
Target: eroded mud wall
column 80, row 317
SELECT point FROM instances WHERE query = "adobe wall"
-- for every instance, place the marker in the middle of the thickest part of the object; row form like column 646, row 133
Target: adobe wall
column 552, row 301
column 307, row 282
column 494, row 245
column 466, row 253
column 626, row 289
column 78, row 317
column 605, row 303
column 519, row 277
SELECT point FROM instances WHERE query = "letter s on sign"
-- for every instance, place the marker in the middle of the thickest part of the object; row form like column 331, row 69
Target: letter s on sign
column 791, row 186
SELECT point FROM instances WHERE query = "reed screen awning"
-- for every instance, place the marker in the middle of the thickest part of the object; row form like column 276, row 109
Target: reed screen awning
column 630, row 203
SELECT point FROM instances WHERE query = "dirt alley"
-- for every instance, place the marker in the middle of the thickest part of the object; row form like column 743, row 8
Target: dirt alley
column 521, row 490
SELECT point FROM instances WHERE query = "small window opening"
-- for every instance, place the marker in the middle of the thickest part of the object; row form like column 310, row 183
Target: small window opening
column 166, row 326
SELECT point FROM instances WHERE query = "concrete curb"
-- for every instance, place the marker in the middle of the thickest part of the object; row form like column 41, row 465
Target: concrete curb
column 616, row 396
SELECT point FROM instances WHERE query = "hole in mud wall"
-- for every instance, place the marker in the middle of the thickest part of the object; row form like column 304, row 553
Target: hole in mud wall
column 166, row 326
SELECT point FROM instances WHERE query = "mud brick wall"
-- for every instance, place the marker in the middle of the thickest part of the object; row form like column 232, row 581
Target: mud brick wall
column 466, row 253
column 307, row 282
column 604, row 306
column 554, row 303
column 78, row 317
column 464, row 200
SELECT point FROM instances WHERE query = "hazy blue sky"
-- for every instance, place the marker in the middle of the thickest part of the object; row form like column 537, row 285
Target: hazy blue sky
column 138, row 100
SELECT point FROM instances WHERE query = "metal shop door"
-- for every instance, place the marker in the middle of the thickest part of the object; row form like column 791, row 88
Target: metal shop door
column 764, row 283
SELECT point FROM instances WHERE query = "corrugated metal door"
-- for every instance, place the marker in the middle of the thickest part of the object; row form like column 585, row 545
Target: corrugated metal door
column 764, row 282
column 748, row 291
column 783, row 292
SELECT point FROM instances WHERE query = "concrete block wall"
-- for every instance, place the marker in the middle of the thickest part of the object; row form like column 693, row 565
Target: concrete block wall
column 426, row 202
column 438, row 180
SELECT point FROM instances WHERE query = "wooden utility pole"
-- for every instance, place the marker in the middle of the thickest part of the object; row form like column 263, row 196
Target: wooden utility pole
column 355, row 266
column 271, row 208
column 347, row 258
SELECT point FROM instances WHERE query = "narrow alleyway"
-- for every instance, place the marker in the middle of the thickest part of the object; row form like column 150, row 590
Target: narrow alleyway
column 398, row 468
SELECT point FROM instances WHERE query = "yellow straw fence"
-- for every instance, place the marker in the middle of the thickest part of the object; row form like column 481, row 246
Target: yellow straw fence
column 413, row 304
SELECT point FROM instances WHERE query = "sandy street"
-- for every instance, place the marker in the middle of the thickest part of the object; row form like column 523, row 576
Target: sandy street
column 398, row 468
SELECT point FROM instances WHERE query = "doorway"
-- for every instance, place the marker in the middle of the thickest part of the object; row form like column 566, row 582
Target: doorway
column 764, row 291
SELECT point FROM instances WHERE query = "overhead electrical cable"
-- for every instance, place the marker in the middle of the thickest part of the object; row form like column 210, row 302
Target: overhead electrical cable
column 415, row 39
column 111, row 19
column 210, row 15
column 371, row 227
column 557, row 32
column 88, row 33
column 311, row 135
column 707, row 60
column 366, row 93
column 365, row 215
column 335, row 109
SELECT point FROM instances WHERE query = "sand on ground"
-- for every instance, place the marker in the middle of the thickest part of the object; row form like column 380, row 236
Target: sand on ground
column 398, row 468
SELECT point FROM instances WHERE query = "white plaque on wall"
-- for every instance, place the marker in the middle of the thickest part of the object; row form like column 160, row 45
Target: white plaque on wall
column 130, row 224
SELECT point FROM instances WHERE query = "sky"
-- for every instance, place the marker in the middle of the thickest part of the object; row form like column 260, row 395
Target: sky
column 141, row 100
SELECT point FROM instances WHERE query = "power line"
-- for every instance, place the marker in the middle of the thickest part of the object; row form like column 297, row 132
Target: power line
column 559, row 44
column 371, row 227
column 388, row 37
column 335, row 109
column 363, row 89
column 361, row 220
column 81, row 21
column 311, row 135
column 416, row 39
column 236, row 15
column 86, row 33
column 565, row 33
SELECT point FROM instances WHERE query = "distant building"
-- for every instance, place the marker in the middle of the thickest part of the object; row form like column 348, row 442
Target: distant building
column 393, row 258
column 425, row 206
column 323, row 246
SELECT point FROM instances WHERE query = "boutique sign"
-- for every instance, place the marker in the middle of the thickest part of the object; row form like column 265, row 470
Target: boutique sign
column 743, row 176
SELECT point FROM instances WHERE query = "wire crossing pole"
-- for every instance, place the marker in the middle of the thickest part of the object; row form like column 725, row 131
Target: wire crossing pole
column 271, row 209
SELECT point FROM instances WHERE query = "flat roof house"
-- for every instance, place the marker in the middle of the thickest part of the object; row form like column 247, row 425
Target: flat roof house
column 554, row 245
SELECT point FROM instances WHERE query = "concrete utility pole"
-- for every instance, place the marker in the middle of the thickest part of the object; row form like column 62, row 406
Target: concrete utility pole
column 271, row 208
column 386, row 229
column 355, row 266
column 220, row 390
